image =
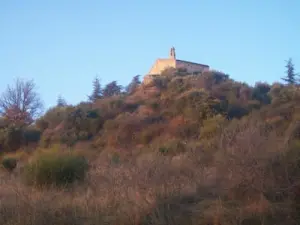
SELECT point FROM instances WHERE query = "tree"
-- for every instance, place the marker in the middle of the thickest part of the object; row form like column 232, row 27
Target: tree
column 133, row 84
column 290, row 73
column 111, row 89
column 97, row 90
column 21, row 103
column 61, row 102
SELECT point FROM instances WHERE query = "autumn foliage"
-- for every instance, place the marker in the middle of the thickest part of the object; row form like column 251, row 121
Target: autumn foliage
column 183, row 149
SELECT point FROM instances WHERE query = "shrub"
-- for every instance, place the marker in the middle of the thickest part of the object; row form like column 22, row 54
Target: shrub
column 55, row 169
column 11, row 138
column 32, row 135
column 115, row 159
column 42, row 124
column 9, row 163
column 211, row 126
column 69, row 138
column 53, row 117
column 172, row 148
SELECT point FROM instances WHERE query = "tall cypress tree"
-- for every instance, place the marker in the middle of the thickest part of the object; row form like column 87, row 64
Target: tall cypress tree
column 290, row 77
column 97, row 90
column 61, row 102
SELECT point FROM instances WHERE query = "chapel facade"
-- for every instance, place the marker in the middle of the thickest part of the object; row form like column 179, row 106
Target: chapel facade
column 172, row 62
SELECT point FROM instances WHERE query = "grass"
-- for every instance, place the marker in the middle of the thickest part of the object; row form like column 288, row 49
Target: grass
column 153, row 192
column 57, row 169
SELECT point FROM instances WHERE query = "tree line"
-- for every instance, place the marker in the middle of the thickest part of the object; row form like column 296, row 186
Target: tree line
column 20, row 104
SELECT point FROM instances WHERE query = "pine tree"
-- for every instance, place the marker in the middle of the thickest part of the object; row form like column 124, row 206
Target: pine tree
column 97, row 90
column 133, row 84
column 61, row 102
column 111, row 89
column 290, row 73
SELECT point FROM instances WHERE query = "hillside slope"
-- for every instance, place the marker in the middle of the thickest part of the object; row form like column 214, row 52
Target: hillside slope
column 183, row 149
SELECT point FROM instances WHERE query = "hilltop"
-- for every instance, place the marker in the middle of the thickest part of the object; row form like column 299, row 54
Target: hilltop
column 181, row 149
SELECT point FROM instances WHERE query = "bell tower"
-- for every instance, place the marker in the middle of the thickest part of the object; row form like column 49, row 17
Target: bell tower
column 172, row 53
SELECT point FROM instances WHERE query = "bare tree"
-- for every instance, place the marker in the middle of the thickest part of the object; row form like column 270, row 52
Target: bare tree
column 21, row 103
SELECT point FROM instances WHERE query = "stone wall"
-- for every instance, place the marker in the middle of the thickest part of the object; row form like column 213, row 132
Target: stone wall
column 191, row 67
column 162, row 64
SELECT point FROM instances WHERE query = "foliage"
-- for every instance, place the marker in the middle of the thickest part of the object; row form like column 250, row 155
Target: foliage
column 11, row 138
column 61, row 102
column 133, row 84
column 31, row 135
column 9, row 163
column 291, row 76
column 53, row 117
column 260, row 93
column 21, row 103
column 212, row 126
column 112, row 89
column 199, row 149
column 97, row 90
column 55, row 169
column 172, row 147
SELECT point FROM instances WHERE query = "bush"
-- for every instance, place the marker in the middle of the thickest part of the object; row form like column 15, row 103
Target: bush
column 9, row 163
column 55, row 169
column 172, row 148
column 11, row 138
column 32, row 135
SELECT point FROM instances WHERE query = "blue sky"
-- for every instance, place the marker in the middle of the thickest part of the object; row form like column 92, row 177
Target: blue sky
column 64, row 44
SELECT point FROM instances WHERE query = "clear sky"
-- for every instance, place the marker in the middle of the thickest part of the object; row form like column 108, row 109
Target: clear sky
column 64, row 44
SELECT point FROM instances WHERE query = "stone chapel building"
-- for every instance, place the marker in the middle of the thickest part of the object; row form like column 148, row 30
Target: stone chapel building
column 161, row 64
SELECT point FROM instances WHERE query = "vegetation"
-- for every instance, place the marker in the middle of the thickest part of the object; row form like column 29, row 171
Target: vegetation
column 9, row 163
column 291, row 76
column 20, row 103
column 183, row 149
column 97, row 90
column 48, row 169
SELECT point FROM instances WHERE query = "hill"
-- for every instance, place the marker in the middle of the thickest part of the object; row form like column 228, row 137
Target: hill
column 182, row 149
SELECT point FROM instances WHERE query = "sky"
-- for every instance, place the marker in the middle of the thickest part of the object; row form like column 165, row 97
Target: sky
column 64, row 44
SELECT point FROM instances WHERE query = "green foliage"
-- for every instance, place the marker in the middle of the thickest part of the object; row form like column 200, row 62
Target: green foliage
column 133, row 84
column 11, row 138
column 115, row 158
column 112, row 89
column 260, row 93
column 97, row 90
column 161, row 82
column 172, row 148
column 31, row 135
column 53, row 117
column 61, row 102
column 80, row 120
column 77, row 127
column 42, row 124
column 290, row 73
column 55, row 169
column 212, row 126
column 68, row 137
column 177, row 85
column 9, row 163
